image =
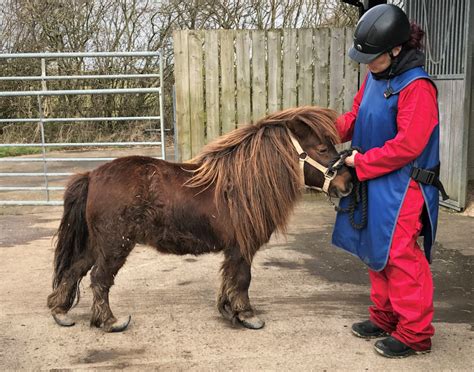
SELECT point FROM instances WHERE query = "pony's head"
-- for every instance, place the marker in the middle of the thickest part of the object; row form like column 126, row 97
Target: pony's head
column 315, row 131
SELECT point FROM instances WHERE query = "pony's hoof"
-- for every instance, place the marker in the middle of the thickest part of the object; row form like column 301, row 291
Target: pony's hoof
column 118, row 326
column 252, row 322
column 63, row 320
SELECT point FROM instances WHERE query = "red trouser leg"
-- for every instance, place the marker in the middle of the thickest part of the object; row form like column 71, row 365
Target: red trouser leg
column 381, row 312
column 402, row 293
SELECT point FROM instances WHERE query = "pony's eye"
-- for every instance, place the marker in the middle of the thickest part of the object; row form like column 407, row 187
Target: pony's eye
column 322, row 149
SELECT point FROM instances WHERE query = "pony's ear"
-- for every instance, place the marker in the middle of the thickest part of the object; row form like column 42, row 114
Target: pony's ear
column 299, row 129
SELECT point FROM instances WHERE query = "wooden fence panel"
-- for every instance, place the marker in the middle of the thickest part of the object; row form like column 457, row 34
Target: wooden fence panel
column 289, row 68
column 259, row 79
column 227, row 81
column 196, row 93
column 242, row 51
column 212, row 85
column 305, row 75
column 274, row 71
column 228, row 77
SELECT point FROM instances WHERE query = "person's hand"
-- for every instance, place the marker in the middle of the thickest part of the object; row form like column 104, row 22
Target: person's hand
column 349, row 161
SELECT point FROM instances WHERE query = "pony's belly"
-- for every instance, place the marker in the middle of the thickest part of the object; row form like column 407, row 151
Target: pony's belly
column 187, row 229
column 182, row 244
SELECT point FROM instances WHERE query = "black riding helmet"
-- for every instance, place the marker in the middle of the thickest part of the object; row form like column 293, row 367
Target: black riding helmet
column 380, row 29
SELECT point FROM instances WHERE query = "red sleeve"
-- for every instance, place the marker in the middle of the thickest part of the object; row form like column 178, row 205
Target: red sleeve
column 417, row 117
column 345, row 122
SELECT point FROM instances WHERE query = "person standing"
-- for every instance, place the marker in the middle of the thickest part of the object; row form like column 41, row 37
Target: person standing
column 394, row 122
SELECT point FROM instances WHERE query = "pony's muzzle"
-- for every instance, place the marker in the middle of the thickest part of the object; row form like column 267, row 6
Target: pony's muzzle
column 342, row 184
column 341, row 194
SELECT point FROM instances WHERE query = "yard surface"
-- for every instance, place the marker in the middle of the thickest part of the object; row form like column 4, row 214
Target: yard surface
column 308, row 292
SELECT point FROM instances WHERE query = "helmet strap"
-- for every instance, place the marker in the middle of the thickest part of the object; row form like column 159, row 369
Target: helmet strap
column 393, row 65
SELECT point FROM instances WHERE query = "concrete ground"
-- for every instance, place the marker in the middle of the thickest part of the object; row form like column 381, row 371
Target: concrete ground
column 308, row 292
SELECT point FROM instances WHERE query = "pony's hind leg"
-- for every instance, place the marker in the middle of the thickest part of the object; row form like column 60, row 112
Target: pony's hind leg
column 67, row 290
column 233, row 301
column 102, row 278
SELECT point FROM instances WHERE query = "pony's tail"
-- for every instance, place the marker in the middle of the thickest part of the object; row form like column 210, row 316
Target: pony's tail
column 72, row 239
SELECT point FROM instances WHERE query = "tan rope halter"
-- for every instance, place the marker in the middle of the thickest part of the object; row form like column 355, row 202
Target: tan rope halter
column 329, row 173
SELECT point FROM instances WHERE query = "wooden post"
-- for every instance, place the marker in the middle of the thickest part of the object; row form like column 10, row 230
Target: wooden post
column 336, row 69
column 196, row 92
column 321, row 67
column 351, row 73
column 181, row 69
column 211, row 49
column 227, row 80
column 274, row 71
column 259, row 77
column 242, row 50
column 305, row 76
column 289, row 68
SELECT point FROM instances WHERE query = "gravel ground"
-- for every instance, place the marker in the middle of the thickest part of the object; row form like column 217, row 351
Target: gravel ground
column 308, row 292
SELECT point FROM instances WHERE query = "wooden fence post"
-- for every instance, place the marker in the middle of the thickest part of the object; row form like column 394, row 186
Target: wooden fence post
column 211, row 51
column 196, row 91
column 181, row 70
column 289, row 68
column 321, row 67
column 259, row 75
column 305, row 75
column 336, row 69
column 227, row 80
column 274, row 71
column 242, row 51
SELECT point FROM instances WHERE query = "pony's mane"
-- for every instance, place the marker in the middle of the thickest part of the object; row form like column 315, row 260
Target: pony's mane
column 254, row 171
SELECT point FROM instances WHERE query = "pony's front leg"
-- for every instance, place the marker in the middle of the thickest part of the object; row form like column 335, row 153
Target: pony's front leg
column 233, row 301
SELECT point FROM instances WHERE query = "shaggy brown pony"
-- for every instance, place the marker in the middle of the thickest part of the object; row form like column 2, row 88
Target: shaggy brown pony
column 231, row 198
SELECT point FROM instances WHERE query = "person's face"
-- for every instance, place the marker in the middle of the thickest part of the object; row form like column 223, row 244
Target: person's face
column 383, row 61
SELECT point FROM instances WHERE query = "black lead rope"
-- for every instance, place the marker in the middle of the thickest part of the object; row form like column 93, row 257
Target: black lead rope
column 358, row 194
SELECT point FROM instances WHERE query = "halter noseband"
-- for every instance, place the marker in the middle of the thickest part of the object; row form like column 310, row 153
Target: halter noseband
column 329, row 173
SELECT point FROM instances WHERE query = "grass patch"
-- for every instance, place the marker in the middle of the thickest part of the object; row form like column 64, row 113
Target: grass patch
column 18, row 151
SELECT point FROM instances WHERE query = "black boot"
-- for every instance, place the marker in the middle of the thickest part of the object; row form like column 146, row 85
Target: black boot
column 367, row 329
column 392, row 348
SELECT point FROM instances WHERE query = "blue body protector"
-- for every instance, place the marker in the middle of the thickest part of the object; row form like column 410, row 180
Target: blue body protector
column 375, row 124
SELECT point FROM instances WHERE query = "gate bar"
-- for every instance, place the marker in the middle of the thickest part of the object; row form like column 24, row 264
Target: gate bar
column 78, row 77
column 30, row 202
column 73, row 144
column 32, row 188
column 36, row 174
column 27, row 160
column 79, row 92
column 80, row 54
column 71, row 120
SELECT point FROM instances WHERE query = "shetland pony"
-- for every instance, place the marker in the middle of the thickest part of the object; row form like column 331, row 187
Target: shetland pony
column 230, row 198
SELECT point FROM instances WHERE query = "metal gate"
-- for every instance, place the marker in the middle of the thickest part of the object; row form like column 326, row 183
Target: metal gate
column 43, row 178
column 449, row 59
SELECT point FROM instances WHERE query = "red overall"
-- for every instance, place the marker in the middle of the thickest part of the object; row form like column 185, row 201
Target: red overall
column 402, row 293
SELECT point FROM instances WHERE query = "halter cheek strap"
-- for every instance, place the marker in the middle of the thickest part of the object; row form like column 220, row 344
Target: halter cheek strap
column 329, row 174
